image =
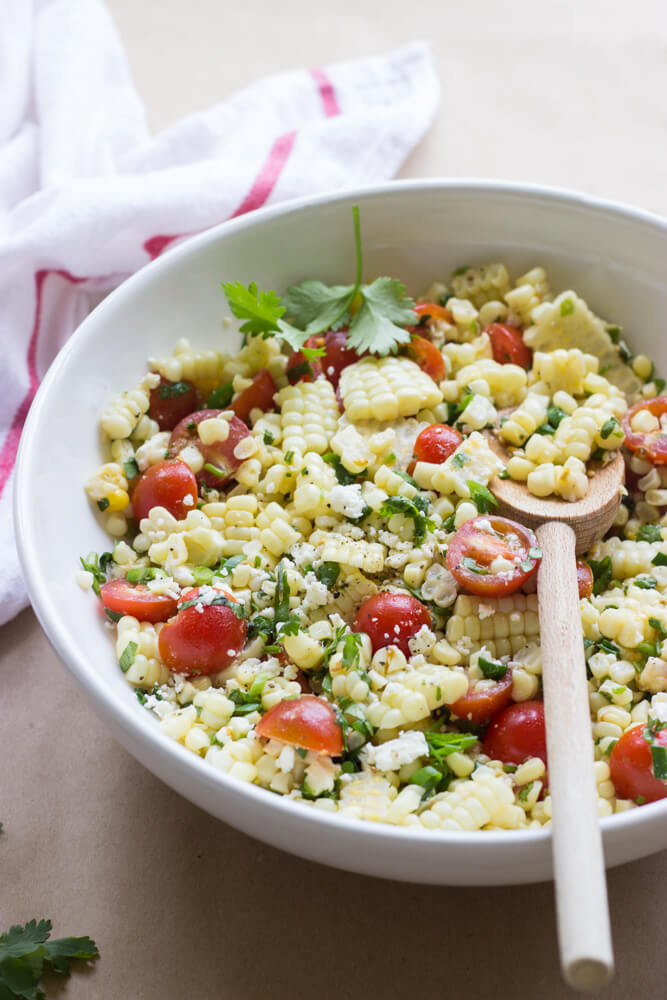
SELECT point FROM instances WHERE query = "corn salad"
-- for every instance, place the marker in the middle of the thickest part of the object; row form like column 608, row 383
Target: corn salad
column 306, row 508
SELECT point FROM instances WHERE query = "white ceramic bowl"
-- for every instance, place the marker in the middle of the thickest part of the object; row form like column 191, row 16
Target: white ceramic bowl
column 418, row 231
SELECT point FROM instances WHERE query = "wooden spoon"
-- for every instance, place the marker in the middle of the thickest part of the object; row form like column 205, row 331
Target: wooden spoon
column 562, row 529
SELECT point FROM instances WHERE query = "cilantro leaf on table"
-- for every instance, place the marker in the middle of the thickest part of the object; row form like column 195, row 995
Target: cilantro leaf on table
column 26, row 953
column 379, row 325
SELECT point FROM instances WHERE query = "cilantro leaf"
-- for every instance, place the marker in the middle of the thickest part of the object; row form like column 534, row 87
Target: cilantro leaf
column 649, row 533
column 482, row 498
column 260, row 310
column 601, row 574
column 379, row 325
column 25, row 951
column 316, row 307
column 492, row 669
column 415, row 509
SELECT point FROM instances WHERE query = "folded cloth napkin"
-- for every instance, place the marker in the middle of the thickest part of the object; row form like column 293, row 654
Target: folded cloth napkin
column 87, row 196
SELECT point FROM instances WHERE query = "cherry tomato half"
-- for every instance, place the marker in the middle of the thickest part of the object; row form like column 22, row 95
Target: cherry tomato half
column 427, row 356
column 203, row 638
column 170, row 402
column 516, row 733
column 584, row 579
column 259, row 394
column 169, row 484
column 137, row 600
column 653, row 445
column 433, row 310
column 507, row 345
column 479, row 542
column 307, row 722
column 631, row 766
column 436, row 443
column 299, row 369
column 479, row 705
column 390, row 619
column 337, row 355
column 219, row 455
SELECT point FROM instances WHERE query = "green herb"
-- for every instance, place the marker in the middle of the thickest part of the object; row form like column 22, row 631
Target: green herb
column 127, row 656
column 454, row 410
column 26, row 954
column 510, row 768
column 202, row 575
column 658, row 749
column 268, row 437
column 525, row 791
column 139, row 574
column 443, row 744
column 328, row 573
column 555, row 415
column 225, row 566
column 614, row 333
column 221, row 397
column 103, row 503
column 609, row 747
column 130, row 468
column 607, row 646
column 214, row 470
column 645, row 582
column 449, row 523
column 302, row 752
column 379, row 325
column 482, row 498
column 266, row 626
column 640, row 800
column 647, row 649
column 431, row 779
column 601, row 574
column 390, row 459
column 659, row 560
column 141, row 696
column 351, row 647
column 504, row 474
column 566, row 307
column 113, row 616
column 610, row 426
column 416, row 509
column 98, row 566
column 492, row 669
column 244, row 705
column 289, row 455
column 624, row 351
column 474, row 566
column 299, row 370
column 656, row 624
column 169, row 390
column 659, row 385
column 407, row 478
column 344, row 477
column 459, row 459
column 649, row 533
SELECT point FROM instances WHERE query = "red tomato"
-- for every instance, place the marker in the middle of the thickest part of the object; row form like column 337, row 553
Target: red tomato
column 219, row 455
column 338, row 355
column 307, row 722
column 479, row 705
column 125, row 598
column 517, row 733
column 651, row 446
column 299, row 369
column 390, row 619
column 436, row 443
column 170, row 402
column 259, row 394
column 432, row 310
column 428, row 357
column 473, row 549
column 203, row 638
column 169, row 484
column 631, row 766
column 507, row 345
column 584, row 579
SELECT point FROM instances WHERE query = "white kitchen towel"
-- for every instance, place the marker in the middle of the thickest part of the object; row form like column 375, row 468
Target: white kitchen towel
column 87, row 196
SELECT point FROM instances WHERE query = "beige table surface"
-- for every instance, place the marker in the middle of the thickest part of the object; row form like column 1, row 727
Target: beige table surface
column 571, row 94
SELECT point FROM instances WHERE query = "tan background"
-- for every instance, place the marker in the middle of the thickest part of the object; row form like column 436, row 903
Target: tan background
column 573, row 94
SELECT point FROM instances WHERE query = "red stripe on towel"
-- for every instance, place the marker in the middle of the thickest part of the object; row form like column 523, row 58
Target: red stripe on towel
column 327, row 92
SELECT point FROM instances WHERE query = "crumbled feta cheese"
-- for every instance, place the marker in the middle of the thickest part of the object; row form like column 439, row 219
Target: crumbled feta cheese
column 393, row 754
column 347, row 500
column 302, row 553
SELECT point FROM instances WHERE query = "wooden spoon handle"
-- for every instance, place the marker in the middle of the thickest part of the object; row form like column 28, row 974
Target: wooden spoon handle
column 581, row 891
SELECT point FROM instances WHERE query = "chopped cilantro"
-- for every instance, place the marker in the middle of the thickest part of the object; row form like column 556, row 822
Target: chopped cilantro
column 221, row 397
column 645, row 582
column 214, row 470
column 169, row 390
column 268, row 437
column 416, row 509
column 658, row 749
column 459, row 459
column 344, row 477
column 656, row 624
column 454, row 410
column 474, row 566
column 98, row 566
column 649, row 533
column 566, row 307
column 113, row 616
column 299, row 370
column 525, row 791
column 130, row 468
column 659, row 385
column 601, row 574
column 609, row 427
column 659, row 560
column 328, row 573
column 482, row 498
column 351, row 647
column 139, row 574
column 127, row 656
column 492, row 669
column 103, row 503
column 614, row 333
column 289, row 456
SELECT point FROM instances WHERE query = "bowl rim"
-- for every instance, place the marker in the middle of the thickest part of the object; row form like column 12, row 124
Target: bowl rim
column 148, row 737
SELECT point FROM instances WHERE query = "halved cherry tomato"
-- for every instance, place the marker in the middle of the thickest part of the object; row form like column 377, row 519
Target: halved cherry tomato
column 338, row 355
column 390, row 619
column 203, row 638
column 479, row 705
column 259, row 394
column 169, row 484
column 427, row 356
column 584, row 579
column 479, row 542
column 653, row 445
column 516, row 733
column 219, row 456
column 170, row 402
column 306, row 722
column 137, row 600
column 507, row 345
column 299, row 369
column 433, row 310
column 436, row 443
column 631, row 766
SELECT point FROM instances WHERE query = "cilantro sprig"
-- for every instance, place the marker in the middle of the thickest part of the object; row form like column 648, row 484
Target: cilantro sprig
column 26, row 954
column 376, row 314
column 416, row 508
